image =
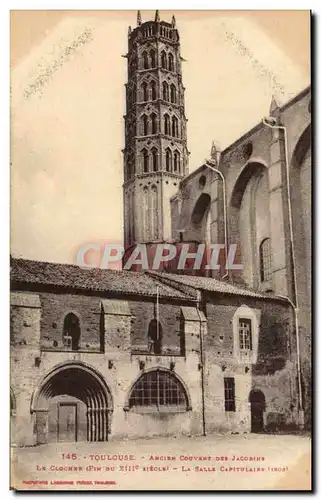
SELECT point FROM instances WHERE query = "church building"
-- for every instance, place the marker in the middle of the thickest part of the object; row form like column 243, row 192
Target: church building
column 99, row 354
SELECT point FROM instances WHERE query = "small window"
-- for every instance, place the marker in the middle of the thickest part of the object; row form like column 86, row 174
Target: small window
column 170, row 62
column 173, row 93
column 229, row 393
column 168, row 160
column 71, row 333
column 164, row 60
column 155, row 159
column 152, row 55
column 265, row 260
column 245, row 334
column 145, row 91
column 167, row 126
column 153, row 90
column 158, row 389
column 145, row 60
column 165, row 91
column 153, row 118
column 145, row 160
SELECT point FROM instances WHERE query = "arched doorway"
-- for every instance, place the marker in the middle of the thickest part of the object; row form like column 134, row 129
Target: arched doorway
column 72, row 404
column 257, row 401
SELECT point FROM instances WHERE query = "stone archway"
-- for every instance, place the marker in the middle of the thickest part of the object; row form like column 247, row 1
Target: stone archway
column 72, row 404
column 257, row 401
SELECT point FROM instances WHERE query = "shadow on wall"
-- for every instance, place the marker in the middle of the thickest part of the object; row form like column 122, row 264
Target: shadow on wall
column 273, row 346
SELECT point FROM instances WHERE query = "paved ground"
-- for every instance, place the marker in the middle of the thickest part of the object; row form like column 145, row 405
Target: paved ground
column 201, row 463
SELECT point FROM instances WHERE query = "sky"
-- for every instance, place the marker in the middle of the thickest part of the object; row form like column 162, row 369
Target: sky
column 68, row 102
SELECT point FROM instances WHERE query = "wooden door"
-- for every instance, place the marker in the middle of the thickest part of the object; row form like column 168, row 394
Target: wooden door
column 67, row 422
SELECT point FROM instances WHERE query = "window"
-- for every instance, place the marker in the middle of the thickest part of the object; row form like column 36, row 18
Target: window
column 155, row 159
column 176, row 162
column 229, row 393
column 158, row 389
column 145, row 160
column 145, row 60
column 145, row 91
column 152, row 58
column 164, row 60
column 173, row 93
column 245, row 334
column 155, row 334
column 167, row 126
column 145, row 124
column 154, row 123
column 165, row 91
column 168, row 160
column 71, row 332
column 265, row 260
column 170, row 62
column 174, row 126
column 153, row 90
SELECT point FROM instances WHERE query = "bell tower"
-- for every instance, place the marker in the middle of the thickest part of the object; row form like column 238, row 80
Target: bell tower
column 155, row 153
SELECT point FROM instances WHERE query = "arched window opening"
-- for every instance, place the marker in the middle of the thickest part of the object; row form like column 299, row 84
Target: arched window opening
column 265, row 260
column 170, row 62
column 71, row 332
column 176, row 161
column 174, row 126
column 159, row 389
column 165, row 91
column 167, row 125
column 152, row 55
column 153, row 90
column 164, row 60
column 155, row 159
column 168, row 160
column 173, row 93
column 145, row 60
column 145, row 160
column 145, row 124
column 154, row 123
column 155, row 337
column 145, row 91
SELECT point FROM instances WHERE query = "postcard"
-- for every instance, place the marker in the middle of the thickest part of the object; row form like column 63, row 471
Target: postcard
column 160, row 302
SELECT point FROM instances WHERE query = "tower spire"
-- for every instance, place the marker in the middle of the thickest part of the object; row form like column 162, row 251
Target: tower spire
column 274, row 106
column 139, row 18
column 157, row 18
column 173, row 22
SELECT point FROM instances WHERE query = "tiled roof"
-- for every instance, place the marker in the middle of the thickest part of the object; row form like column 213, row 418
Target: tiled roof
column 211, row 285
column 34, row 272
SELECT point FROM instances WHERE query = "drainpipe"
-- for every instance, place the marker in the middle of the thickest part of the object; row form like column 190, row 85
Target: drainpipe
column 210, row 166
column 271, row 123
column 202, row 366
column 297, row 338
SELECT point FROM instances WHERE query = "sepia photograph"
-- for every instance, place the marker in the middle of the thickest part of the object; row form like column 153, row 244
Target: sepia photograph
column 160, row 254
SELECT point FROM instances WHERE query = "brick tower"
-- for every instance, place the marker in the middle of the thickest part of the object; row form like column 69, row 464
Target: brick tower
column 155, row 153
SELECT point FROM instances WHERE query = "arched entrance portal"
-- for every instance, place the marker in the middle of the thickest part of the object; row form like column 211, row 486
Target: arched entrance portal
column 72, row 404
column 257, row 401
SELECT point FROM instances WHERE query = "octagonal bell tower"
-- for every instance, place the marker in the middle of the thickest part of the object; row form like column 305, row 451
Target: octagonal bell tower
column 155, row 153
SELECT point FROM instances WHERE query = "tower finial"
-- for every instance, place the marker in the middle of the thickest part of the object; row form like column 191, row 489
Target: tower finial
column 215, row 153
column 157, row 18
column 173, row 22
column 129, row 30
column 139, row 18
column 274, row 107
